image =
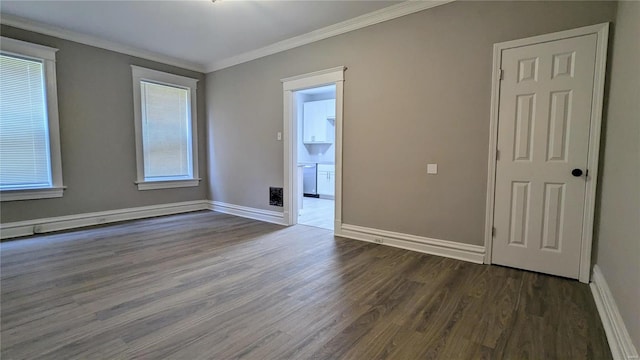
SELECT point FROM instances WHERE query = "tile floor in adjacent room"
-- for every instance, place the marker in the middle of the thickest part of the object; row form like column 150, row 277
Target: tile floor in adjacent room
column 317, row 212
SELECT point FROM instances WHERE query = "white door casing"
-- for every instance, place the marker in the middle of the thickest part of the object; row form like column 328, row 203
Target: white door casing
column 545, row 124
column 333, row 76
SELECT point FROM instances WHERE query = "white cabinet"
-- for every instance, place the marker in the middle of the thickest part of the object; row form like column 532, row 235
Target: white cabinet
column 318, row 121
column 326, row 180
column 330, row 106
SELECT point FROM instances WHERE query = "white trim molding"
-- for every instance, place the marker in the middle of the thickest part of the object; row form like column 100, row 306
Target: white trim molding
column 44, row 225
column 617, row 334
column 444, row 248
column 305, row 81
column 30, row 194
column 154, row 185
column 47, row 56
column 140, row 74
column 359, row 22
column 333, row 76
column 30, row 25
column 273, row 217
column 602, row 31
column 23, row 48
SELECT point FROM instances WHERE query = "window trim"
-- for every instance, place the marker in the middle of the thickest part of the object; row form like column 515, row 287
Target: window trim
column 47, row 55
column 143, row 74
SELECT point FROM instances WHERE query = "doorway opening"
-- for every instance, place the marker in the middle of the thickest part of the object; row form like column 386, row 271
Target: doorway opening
column 315, row 146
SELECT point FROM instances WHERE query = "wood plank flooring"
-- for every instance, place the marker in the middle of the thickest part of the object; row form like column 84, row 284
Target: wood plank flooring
column 213, row 286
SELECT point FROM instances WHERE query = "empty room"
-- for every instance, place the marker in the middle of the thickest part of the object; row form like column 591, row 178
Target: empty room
column 280, row 179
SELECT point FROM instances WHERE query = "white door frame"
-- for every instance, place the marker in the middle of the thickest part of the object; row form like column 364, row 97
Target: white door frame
column 333, row 76
column 602, row 32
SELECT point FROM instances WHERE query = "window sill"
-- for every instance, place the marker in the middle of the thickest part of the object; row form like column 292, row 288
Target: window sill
column 31, row 194
column 154, row 185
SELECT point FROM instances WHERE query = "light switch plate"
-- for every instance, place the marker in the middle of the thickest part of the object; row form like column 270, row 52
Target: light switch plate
column 432, row 169
column 279, row 136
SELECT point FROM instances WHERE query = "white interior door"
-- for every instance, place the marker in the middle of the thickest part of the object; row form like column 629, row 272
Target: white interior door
column 543, row 142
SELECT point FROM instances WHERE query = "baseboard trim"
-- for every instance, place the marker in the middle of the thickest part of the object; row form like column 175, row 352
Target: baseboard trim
column 619, row 340
column 445, row 248
column 44, row 225
column 249, row 212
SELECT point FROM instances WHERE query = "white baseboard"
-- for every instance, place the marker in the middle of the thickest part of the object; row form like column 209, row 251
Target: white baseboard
column 44, row 225
column 450, row 249
column 249, row 212
column 617, row 335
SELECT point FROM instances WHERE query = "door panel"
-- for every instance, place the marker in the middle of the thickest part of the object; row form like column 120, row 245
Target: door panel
column 552, row 216
column 519, row 213
column 543, row 133
column 524, row 121
column 558, row 126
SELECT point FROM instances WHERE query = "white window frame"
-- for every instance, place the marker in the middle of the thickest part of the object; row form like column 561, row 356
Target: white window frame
column 47, row 55
column 158, row 77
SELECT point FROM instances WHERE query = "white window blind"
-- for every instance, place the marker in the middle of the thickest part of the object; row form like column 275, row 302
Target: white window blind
column 166, row 129
column 166, row 132
column 24, row 135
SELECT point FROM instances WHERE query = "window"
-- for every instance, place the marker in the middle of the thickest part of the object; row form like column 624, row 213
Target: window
column 30, row 164
column 166, row 136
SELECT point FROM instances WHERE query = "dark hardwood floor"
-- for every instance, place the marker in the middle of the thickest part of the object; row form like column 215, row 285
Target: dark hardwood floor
column 214, row 286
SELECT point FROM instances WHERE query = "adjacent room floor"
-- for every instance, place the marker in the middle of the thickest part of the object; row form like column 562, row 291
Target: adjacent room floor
column 213, row 286
column 317, row 212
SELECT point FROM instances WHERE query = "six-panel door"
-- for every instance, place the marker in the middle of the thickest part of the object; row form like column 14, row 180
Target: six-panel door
column 543, row 134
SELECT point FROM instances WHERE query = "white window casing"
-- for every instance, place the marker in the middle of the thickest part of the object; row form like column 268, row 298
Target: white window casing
column 39, row 63
column 165, row 129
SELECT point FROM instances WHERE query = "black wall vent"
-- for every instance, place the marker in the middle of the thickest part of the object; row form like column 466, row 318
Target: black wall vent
column 275, row 196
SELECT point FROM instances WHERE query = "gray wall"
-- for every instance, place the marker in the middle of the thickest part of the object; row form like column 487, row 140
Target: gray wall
column 417, row 91
column 619, row 220
column 95, row 99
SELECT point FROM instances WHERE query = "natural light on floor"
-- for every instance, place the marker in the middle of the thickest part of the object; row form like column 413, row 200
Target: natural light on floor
column 316, row 212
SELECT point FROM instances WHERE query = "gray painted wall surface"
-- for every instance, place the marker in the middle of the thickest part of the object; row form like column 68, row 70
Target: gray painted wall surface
column 417, row 91
column 618, row 235
column 95, row 99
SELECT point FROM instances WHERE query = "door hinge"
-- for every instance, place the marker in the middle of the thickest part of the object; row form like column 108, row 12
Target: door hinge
column 586, row 173
column 493, row 231
column 501, row 76
column 497, row 154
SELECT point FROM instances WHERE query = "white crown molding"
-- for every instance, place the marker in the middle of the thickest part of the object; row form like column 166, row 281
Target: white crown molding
column 274, row 217
column 372, row 18
column 30, row 25
column 617, row 334
column 445, row 248
column 44, row 225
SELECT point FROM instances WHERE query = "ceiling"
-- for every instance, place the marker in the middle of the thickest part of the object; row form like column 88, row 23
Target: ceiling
column 204, row 35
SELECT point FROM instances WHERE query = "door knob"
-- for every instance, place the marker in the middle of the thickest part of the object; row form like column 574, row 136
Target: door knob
column 576, row 172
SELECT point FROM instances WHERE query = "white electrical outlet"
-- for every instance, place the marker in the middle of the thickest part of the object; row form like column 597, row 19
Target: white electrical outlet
column 432, row 169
